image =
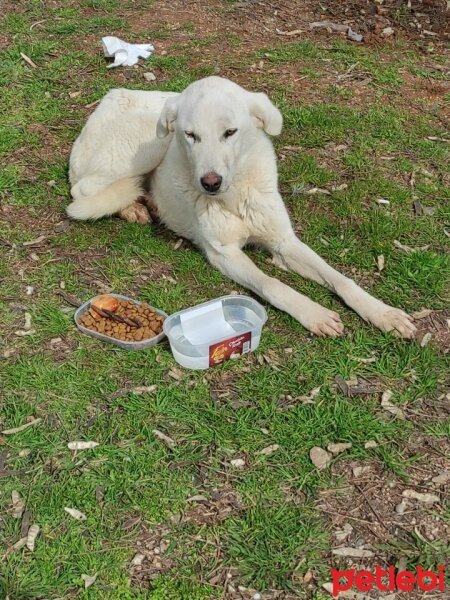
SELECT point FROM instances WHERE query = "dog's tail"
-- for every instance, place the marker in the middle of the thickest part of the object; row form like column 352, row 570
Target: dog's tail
column 105, row 202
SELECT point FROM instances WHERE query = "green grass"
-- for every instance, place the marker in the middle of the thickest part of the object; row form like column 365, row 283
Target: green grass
column 273, row 541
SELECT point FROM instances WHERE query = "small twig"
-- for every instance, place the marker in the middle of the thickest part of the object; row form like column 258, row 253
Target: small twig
column 101, row 312
column 363, row 494
column 330, row 512
column 37, row 23
column 107, row 314
column 63, row 426
column 290, row 33
column 69, row 298
column 28, row 60
column 92, row 104
column 122, row 319
column 132, row 322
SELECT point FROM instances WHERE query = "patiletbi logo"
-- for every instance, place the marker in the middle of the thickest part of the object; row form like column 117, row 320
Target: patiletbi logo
column 388, row 580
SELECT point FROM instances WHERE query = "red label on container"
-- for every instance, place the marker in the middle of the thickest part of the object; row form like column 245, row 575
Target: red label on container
column 230, row 348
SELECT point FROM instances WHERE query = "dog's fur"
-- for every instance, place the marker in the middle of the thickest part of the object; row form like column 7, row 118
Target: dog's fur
column 214, row 128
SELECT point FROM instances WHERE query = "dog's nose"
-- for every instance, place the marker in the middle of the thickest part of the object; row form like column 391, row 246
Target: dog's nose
column 211, row 182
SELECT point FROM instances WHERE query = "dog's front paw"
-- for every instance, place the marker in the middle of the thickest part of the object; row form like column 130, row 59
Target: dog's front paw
column 136, row 213
column 387, row 318
column 323, row 322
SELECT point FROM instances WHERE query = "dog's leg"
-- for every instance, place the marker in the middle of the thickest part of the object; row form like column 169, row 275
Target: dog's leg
column 297, row 256
column 232, row 262
column 92, row 203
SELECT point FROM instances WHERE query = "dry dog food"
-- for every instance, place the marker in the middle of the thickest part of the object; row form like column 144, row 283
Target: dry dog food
column 122, row 319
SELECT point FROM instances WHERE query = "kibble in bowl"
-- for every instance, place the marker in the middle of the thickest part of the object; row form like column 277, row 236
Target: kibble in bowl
column 122, row 321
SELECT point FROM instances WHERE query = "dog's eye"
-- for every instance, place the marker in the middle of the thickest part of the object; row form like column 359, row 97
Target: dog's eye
column 229, row 132
column 191, row 135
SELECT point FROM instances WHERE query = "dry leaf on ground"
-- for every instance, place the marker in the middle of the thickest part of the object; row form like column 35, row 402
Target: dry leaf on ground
column 343, row 534
column 370, row 444
column 269, row 450
column 33, row 532
column 19, row 544
column 317, row 190
column 27, row 324
column 352, row 552
column 421, row 314
column 18, row 505
column 175, row 373
column 427, row 498
column 9, row 352
column 409, row 249
column 89, row 580
column 308, row 398
column 197, row 498
column 359, row 386
column 137, row 560
column 168, row 441
column 401, row 507
column 320, row 458
column 21, row 427
column 392, row 408
column 82, row 445
column 442, row 478
column 24, row 332
column 138, row 390
column 75, row 513
column 338, row 448
column 143, row 389
column 426, row 339
column 358, row 471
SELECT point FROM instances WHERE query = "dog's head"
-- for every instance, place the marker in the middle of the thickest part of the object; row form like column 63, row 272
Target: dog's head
column 217, row 123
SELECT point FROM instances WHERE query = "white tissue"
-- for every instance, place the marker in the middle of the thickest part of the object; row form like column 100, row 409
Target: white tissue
column 124, row 54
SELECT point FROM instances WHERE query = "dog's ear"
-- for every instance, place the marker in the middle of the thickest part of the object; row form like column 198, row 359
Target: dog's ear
column 166, row 121
column 266, row 115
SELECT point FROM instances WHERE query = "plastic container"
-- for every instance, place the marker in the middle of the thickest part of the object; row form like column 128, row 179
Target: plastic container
column 210, row 333
column 107, row 338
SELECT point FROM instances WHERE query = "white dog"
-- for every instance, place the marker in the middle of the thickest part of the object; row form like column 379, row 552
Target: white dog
column 214, row 181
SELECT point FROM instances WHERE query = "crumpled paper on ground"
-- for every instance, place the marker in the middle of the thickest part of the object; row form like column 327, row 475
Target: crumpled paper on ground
column 125, row 54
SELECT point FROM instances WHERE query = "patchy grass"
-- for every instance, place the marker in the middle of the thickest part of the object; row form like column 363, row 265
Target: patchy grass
column 333, row 135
